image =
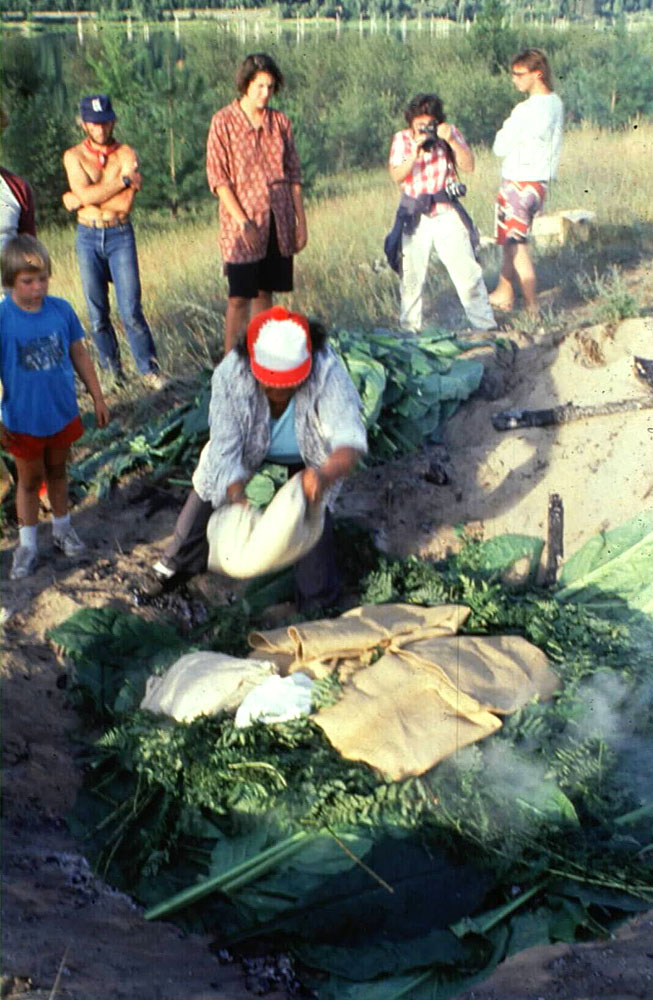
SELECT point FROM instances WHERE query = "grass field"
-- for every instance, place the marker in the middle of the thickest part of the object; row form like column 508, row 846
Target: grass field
column 337, row 276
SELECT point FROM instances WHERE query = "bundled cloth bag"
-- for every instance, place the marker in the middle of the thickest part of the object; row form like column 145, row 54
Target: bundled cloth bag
column 431, row 692
column 277, row 699
column 244, row 542
column 203, row 683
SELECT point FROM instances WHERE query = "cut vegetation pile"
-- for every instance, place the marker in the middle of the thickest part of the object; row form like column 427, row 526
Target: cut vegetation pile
column 409, row 387
column 390, row 889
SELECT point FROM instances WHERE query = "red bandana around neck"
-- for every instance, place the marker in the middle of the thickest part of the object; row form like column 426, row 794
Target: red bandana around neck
column 103, row 153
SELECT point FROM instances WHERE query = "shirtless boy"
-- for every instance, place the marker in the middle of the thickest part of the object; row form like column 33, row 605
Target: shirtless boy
column 104, row 177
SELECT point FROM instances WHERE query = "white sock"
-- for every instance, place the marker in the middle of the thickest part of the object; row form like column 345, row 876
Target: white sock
column 60, row 525
column 161, row 569
column 28, row 536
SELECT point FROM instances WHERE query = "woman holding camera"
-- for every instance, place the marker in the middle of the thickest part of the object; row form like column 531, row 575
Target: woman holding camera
column 424, row 160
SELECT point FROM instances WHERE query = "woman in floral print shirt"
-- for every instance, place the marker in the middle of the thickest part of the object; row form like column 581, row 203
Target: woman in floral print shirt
column 253, row 168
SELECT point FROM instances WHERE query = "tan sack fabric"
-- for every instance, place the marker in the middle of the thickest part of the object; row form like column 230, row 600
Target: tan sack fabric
column 203, row 684
column 317, row 647
column 392, row 716
column 244, row 542
column 429, row 693
column 503, row 672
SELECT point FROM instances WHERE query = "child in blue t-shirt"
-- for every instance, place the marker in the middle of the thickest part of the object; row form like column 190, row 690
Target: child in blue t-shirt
column 41, row 348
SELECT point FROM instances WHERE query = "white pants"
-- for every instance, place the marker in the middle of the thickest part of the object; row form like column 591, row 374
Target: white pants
column 447, row 235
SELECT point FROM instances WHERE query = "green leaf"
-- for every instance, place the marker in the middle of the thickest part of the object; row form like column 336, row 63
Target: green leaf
column 232, row 851
column 496, row 555
column 566, row 919
column 389, row 957
column 262, row 486
column 260, row 490
column 612, row 571
column 325, row 856
column 528, row 930
column 196, row 420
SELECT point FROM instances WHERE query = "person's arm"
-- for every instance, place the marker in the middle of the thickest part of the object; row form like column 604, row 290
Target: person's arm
column 510, row 134
column 27, row 220
column 220, row 180
column 221, row 474
column 464, row 155
column 339, row 465
column 339, row 409
column 292, row 172
column 236, row 492
column 89, row 193
column 229, row 201
column 400, row 171
column 71, row 201
column 301, row 230
column 85, row 369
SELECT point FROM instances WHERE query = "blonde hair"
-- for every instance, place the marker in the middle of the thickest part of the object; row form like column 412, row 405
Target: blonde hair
column 23, row 253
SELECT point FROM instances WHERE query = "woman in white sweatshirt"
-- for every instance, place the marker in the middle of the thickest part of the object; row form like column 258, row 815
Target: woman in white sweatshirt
column 529, row 143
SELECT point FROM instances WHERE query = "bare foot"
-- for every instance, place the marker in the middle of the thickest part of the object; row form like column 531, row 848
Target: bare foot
column 502, row 303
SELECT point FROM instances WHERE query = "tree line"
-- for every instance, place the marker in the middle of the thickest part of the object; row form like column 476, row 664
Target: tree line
column 454, row 9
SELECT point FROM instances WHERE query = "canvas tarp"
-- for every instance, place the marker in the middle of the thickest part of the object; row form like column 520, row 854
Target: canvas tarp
column 430, row 692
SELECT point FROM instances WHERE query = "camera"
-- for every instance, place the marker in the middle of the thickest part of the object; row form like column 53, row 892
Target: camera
column 455, row 188
column 431, row 130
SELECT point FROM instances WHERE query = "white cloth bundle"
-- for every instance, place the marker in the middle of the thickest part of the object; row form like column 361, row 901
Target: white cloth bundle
column 244, row 542
column 277, row 699
column 203, row 683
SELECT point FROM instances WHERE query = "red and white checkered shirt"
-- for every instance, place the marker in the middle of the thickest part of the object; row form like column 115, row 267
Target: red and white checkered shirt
column 431, row 170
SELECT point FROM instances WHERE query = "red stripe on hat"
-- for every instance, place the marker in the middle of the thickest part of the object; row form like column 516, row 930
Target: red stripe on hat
column 281, row 380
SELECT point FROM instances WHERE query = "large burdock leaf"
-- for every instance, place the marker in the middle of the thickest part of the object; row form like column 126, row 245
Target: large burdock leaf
column 613, row 573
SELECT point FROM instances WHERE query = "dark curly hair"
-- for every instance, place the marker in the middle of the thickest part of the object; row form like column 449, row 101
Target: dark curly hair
column 425, row 104
column 430, row 104
column 257, row 62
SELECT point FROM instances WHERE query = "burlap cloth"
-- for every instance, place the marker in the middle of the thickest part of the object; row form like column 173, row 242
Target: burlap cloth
column 428, row 692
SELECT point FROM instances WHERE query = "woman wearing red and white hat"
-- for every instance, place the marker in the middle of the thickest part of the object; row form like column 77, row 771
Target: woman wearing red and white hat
column 284, row 396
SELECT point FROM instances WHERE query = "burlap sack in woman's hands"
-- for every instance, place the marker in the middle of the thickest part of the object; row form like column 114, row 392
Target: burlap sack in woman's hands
column 244, row 542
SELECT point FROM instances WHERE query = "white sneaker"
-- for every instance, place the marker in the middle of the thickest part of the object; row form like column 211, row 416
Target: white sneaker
column 157, row 381
column 70, row 543
column 24, row 560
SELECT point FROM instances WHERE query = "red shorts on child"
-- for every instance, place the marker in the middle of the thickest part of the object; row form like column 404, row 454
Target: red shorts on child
column 28, row 447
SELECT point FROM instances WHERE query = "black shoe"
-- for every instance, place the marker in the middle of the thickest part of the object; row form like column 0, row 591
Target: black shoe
column 157, row 583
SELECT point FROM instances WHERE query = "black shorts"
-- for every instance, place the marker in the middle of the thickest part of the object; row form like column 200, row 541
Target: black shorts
column 272, row 274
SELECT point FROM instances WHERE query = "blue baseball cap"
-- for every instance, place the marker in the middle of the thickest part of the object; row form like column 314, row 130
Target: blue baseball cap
column 96, row 108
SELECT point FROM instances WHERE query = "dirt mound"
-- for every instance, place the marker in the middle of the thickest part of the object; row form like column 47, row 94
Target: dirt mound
column 500, row 482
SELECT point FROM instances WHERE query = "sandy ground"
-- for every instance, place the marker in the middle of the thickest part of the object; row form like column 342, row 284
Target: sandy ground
column 501, row 481
column 58, row 917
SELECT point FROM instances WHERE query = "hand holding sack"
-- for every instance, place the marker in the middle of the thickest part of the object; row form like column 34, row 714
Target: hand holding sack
column 244, row 542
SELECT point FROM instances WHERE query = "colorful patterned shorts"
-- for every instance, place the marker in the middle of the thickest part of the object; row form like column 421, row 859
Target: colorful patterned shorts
column 517, row 204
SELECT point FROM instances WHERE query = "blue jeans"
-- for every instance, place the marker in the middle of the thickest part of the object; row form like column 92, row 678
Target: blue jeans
column 106, row 255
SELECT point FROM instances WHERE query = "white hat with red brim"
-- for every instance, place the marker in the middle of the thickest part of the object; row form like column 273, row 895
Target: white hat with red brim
column 279, row 348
